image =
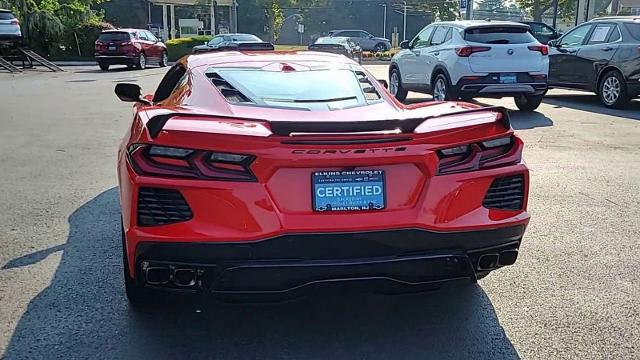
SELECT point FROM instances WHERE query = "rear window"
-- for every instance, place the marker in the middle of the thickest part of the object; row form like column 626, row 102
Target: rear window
column 499, row 35
column 312, row 90
column 634, row 29
column 245, row 37
column 6, row 16
column 331, row 40
column 114, row 36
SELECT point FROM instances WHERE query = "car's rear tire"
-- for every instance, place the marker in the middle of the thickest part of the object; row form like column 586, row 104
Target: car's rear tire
column 380, row 47
column 142, row 61
column 528, row 102
column 103, row 66
column 441, row 89
column 612, row 90
column 164, row 59
column 136, row 294
column 395, row 85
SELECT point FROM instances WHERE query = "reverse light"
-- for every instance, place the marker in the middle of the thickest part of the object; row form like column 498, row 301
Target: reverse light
column 543, row 49
column 497, row 152
column 466, row 51
column 154, row 160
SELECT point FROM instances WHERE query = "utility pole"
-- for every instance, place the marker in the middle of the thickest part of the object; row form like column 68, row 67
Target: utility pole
column 555, row 13
column 384, row 21
column 469, row 15
column 404, row 31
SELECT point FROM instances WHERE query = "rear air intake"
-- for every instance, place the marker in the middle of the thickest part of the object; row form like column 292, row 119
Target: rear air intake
column 505, row 193
column 158, row 206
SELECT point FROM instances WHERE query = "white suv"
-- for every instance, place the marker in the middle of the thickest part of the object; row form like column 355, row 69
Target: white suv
column 466, row 59
column 9, row 28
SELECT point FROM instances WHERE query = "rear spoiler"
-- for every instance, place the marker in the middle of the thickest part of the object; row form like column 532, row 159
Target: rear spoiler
column 286, row 128
column 249, row 46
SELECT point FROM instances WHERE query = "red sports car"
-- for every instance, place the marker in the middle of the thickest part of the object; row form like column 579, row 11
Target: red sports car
column 279, row 173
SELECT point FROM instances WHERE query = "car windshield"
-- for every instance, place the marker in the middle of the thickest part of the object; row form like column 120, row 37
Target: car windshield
column 311, row 90
column 114, row 36
column 6, row 16
column 499, row 35
column 634, row 29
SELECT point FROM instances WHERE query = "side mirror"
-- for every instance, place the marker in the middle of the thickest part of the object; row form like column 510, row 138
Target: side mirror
column 130, row 93
column 404, row 44
column 384, row 83
column 553, row 43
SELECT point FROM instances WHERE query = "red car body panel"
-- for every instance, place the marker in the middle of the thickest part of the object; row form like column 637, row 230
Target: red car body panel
column 279, row 201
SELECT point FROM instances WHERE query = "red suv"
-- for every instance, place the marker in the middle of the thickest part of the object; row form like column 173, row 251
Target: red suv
column 131, row 47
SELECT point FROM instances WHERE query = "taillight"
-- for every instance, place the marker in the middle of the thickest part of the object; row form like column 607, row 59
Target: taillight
column 154, row 160
column 15, row 22
column 126, row 43
column 543, row 49
column 466, row 51
column 486, row 154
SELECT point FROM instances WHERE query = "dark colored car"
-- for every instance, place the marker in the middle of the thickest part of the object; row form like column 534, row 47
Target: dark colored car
column 131, row 47
column 366, row 41
column 542, row 32
column 338, row 45
column 275, row 174
column 603, row 56
column 230, row 41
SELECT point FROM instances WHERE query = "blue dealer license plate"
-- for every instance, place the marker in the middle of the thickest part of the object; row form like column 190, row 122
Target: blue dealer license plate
column 354, row 190
column 508, row 78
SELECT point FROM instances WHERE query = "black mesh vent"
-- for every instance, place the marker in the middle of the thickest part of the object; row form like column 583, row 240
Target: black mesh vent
column 505, row 193
column 161, row 206
column 369, row 91
column 228, row 91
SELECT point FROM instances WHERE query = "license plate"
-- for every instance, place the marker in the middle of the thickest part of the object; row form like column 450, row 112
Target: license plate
column 113, row 48
column 508, row 78
column 354, row 190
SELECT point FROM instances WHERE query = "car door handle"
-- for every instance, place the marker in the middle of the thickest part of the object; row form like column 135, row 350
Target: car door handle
column 608, row 48
column 436, row 53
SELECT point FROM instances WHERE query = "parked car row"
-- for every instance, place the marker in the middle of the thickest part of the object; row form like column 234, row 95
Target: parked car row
column 467, row 59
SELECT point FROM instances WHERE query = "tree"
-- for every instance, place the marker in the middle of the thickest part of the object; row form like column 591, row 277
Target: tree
column 536, row 8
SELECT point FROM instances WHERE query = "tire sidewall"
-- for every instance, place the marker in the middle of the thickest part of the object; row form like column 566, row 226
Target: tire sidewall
column 142, row 65
column 622, row 99
column 400, row 94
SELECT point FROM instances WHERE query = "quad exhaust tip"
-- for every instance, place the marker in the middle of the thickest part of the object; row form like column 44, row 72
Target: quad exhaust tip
column 508, row 257
column 488, row 262
column 164, row 275
column 493, row 261
column 157, row 275
column 184, row 277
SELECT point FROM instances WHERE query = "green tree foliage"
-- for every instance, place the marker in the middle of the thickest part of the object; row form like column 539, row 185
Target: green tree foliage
column 51, row 26
column 536, row 8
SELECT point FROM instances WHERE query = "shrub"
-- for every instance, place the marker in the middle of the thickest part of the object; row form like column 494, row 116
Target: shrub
column 178, row 48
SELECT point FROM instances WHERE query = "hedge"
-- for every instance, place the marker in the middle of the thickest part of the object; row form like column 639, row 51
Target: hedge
column 178, row 48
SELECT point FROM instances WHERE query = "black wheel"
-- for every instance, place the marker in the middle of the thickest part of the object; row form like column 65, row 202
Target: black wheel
column 612, row 90
column 380, row 47
column 142, row 62
column 103, row 66
column 442, row 90
column 528, row 103
column 395, row 85
column 164, row 59
column 136, row 294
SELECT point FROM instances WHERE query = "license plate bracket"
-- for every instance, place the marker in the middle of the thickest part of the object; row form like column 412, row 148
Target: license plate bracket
column 348, row 190
column 508, row 78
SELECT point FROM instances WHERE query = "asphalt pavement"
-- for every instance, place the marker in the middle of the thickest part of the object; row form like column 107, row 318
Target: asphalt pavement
column 572, row 294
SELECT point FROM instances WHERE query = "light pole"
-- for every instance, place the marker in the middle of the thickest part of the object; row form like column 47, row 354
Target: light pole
column 235, row 15
column 404, row 30
column 384, row 21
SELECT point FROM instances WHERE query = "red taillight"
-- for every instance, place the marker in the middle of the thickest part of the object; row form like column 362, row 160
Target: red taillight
column 487, row 154
column 166, row 161
column 543, row 49
column 466, row 51
column 15, row 22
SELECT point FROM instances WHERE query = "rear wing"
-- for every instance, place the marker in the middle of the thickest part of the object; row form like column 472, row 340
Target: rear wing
column 292, row 128
column 249, row 46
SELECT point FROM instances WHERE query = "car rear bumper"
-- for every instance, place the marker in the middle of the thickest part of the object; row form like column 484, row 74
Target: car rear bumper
column 490, row 86
column 402, row 260
column 117, row 59
column 11, row 36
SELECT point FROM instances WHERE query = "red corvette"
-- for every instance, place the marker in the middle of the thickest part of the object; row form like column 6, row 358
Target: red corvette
column 279, row 173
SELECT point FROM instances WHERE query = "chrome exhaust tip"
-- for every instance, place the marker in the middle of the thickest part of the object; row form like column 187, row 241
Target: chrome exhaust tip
column 184, row 277
column 508, row 257
column 157, row 275
column 488, row 262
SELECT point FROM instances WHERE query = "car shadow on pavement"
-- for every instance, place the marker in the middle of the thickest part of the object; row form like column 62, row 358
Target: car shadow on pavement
column 83, row 314
column 591, row 103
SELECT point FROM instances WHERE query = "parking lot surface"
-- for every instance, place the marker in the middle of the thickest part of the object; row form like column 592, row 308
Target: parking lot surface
column 572, row 294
